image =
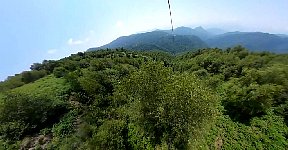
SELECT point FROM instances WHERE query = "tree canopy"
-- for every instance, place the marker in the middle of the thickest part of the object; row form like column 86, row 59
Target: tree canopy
column 120, row 99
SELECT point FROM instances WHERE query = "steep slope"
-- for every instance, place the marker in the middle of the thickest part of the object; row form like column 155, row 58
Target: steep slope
column 156, row 40
column 120, row 99
column 251, row 40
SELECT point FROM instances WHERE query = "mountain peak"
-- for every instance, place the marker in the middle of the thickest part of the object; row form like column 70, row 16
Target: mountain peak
column 198, row 37
column 198, row 31
column 159, row 40
column 200, row 28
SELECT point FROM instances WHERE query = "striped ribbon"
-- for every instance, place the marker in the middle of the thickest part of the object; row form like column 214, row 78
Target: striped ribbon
column 170, row 15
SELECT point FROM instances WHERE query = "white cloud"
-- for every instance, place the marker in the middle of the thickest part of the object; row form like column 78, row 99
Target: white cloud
column 75, row 42
column 52, row 51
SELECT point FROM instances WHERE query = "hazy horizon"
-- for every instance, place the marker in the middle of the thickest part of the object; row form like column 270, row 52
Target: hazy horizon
column 31, row 31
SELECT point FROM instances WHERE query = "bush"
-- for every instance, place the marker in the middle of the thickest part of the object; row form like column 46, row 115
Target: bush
column 167, row 106
column 137, row 138
column 31, row 76
column 110, row 136
column 21, row 115
column 245, row 102
column 66, row 124
column 59, row 72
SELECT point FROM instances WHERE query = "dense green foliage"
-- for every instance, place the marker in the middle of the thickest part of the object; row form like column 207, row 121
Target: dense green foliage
column 22, row 115
column 119, row 99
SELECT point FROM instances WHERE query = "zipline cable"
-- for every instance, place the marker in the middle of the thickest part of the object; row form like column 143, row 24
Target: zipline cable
column 170, row 16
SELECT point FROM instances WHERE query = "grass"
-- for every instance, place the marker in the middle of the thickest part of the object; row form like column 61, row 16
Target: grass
column 50, row 86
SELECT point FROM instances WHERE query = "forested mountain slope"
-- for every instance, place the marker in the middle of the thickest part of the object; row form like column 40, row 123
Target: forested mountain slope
column 255, row 41
column 198, row 31
column 184, row 39
column 156, row 40
column 121, row 99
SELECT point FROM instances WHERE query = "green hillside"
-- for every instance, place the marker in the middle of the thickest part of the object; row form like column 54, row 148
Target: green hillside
column 184, row 39
column 254, row 41
column 122, row 99
column 156, row 40
column 49, row 86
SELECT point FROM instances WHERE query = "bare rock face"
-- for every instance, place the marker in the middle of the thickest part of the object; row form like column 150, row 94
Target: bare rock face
column 218, row 143
column 36, row 142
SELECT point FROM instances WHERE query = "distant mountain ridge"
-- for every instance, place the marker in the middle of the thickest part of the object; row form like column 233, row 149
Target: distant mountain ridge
column 156, row 40
column 198, row 31
column 255, row 41
column 186, row 39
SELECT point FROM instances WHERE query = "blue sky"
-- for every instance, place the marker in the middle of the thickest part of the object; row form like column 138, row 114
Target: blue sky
column 34, row 30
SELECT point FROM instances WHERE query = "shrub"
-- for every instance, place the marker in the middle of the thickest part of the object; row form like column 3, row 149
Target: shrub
column 22, row 114
column 245, row 102
column 167, row 106
column 110, row 136
column 59, row 72
column 66, row 124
